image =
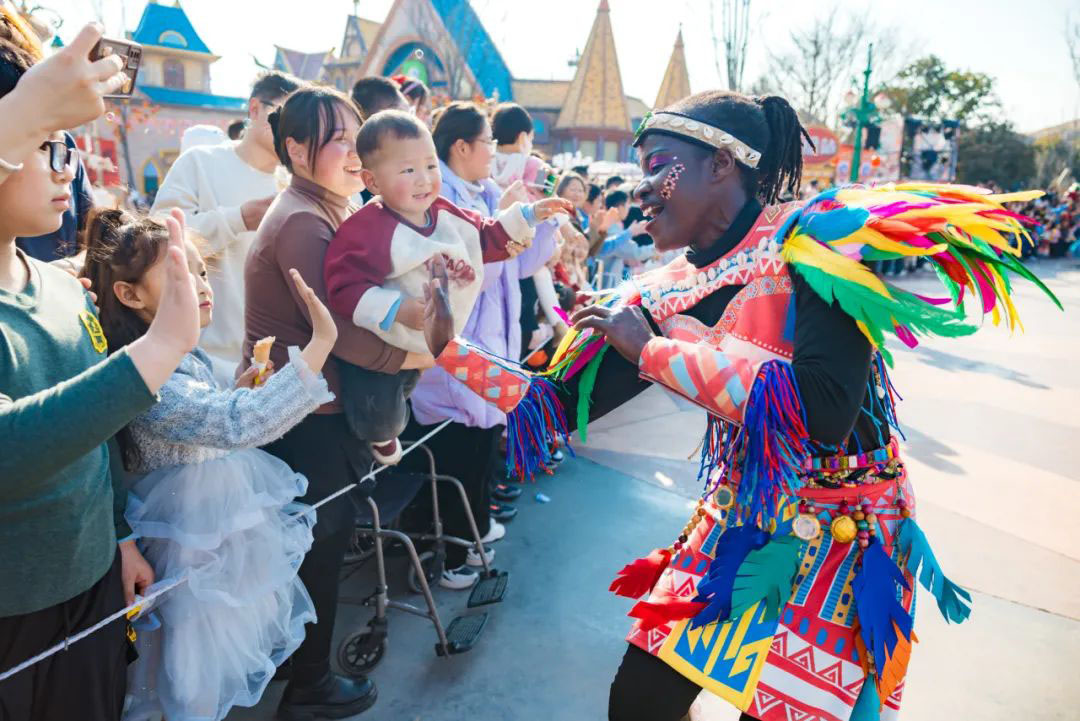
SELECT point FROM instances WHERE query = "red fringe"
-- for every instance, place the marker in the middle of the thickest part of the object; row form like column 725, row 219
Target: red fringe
column 637, row 578
column 653, row 615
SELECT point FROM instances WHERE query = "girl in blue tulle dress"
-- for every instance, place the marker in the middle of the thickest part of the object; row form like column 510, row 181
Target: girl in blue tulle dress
column 204, row 502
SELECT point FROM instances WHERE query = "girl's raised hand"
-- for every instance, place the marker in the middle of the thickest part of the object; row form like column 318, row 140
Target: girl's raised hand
column 323, row 329
column 175, row 328
column 177, row 318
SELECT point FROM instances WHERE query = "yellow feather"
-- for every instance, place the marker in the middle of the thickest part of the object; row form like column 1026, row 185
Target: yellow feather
column 803, row 249
column 1021, row 196
column 877, row 239
column 866, row 332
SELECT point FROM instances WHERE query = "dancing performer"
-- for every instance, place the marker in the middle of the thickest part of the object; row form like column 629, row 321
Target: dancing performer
column 790, row 591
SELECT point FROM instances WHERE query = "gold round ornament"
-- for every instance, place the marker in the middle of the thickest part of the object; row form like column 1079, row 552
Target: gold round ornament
column 806, row 527
column 724, row 497
column 843, row 529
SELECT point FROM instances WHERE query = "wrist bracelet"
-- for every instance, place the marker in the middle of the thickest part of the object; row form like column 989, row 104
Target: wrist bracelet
column 10, row 167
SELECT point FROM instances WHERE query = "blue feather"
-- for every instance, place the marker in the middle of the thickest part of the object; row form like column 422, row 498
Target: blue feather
column 868, row 704
column 834, row 224
column 953, row 601
column 875, row 588
column 715, row 587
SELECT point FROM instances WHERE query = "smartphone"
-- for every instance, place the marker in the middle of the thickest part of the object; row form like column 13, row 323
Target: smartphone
column 129, row 52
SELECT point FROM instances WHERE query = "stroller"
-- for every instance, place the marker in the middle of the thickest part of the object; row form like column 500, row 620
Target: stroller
column 382, row 503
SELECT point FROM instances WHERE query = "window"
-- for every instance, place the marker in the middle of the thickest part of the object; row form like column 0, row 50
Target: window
column 173, row 38
column 173, row 72
column 611, row 150
column 150, row 178
column 588, row 149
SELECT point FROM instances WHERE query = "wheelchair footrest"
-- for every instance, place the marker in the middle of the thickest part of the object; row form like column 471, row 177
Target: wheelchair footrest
column 462, row 633
column 489, row 589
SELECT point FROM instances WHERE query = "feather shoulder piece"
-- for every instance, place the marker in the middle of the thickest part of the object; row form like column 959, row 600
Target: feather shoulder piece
column 971, row 240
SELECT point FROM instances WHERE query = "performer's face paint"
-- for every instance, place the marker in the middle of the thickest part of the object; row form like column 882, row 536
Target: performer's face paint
column 673, row 189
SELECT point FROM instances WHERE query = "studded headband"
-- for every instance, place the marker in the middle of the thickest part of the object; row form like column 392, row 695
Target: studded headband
column 701, row 132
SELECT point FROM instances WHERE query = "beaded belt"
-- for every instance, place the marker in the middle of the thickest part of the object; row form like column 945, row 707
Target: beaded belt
column 859, row 460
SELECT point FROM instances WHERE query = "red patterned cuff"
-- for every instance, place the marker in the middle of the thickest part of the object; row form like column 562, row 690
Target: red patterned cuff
column 718, row 382
column 484, row 374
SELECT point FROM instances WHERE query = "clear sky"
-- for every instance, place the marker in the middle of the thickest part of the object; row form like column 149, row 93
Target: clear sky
column 1019, row 43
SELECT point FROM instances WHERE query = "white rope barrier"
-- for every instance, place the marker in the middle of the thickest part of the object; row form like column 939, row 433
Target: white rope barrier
column 139, row 603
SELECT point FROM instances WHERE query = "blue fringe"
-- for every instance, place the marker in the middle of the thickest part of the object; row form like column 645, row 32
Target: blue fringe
column 774, row 440
column 875, row 589
column 953, row 601
column 531, row 428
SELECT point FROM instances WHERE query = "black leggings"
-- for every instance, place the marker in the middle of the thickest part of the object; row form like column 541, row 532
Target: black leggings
column 647, row 689
column 318, row 448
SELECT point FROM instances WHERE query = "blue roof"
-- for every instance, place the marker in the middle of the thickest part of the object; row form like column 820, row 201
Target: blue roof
column 480, row 52
column 168, row 26
column 190, row 98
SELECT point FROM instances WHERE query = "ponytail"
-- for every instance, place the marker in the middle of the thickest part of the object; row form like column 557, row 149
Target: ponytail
column 780, row 168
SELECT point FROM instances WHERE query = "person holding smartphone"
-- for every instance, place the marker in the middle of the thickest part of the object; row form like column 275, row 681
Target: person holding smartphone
column 67, row 562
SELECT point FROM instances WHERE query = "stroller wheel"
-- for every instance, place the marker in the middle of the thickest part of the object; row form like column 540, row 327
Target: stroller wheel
column 360, row 652
column 433, row 568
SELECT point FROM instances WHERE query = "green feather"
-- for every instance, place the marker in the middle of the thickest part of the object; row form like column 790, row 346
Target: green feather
column 880, row 314
column 585, row 389
column 766, row 575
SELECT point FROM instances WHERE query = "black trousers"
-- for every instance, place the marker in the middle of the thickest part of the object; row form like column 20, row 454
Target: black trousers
column 322, row 448
column 375, row 403
column 468, row 454
column 647, row 689
column 89, row 680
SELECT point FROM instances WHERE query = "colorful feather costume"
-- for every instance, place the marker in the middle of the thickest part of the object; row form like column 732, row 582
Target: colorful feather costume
column 790, row 591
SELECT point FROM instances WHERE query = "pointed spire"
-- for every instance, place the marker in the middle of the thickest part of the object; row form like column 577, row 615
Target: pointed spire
column 595, row 98
column 676, row 83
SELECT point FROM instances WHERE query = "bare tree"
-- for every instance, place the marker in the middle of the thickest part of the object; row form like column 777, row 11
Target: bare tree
column 1072, row 40
column 736, row 33
column 822, row 57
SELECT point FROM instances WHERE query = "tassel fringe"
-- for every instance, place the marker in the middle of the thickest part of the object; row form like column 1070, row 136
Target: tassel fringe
column 531, row 427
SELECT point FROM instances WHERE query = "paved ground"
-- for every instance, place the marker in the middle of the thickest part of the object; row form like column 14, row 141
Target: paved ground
column 991, row 424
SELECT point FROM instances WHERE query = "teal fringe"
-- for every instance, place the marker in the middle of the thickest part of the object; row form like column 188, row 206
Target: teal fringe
column 868, row 705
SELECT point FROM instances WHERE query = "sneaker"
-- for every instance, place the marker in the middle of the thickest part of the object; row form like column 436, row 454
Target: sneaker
column 557, row 456
column 458, row 579
column 472, row 558
column 495, row 532
column 502, row 511
column 506, row 491
column 387, row 453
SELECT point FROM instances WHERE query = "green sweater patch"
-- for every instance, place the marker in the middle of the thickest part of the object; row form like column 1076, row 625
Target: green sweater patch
column 61, row 399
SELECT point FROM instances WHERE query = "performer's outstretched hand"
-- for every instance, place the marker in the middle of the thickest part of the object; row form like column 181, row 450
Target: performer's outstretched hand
column 625, row 328
column 438, row 318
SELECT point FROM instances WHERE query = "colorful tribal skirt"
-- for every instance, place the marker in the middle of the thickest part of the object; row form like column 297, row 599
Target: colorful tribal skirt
column 808, row 661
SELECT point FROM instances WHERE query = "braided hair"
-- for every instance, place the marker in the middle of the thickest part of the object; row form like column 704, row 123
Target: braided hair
column 767, row 124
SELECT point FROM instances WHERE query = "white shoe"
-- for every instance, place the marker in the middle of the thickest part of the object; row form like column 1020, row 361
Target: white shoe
column 472, row 558
column 458, row 579
column 387, row 453
column 495, row 532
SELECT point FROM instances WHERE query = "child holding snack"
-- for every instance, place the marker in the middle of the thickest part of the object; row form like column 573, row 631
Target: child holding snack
column 381, row 259
column 211, row 506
